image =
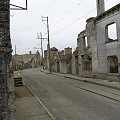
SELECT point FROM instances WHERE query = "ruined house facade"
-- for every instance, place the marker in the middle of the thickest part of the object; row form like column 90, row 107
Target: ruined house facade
column 64, row 61
column 108, row 41
column 87, row 50
column 20, row 62
column 60, row 60
column 86, row 43
column 99, row 44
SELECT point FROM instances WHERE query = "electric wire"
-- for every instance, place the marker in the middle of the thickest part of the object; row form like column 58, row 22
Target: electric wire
column 61, row 30
column 49, row 6
column 67, row 14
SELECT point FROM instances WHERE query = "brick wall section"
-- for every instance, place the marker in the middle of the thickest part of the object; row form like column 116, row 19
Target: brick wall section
column 5, row 58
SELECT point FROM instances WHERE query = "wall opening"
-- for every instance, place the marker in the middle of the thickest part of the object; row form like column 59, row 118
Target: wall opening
column 85, row 41
column 98, row 2
column 112, row 64
column 111, row 31
column 58, row 67
column 86, row 62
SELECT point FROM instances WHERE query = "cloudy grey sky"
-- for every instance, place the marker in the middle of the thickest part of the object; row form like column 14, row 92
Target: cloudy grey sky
column 67, row 18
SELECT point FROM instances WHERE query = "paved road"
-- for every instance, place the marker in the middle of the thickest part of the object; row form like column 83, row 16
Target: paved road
column 68, row 99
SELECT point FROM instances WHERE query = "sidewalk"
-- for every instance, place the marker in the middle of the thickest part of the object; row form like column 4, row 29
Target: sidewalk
column 27, row 106
column 105, row 83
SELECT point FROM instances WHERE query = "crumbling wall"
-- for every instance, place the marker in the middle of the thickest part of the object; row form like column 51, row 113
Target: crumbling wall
column 87, row 50
column 91, row 34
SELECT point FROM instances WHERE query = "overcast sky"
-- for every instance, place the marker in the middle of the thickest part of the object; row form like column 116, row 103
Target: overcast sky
column 67, row 18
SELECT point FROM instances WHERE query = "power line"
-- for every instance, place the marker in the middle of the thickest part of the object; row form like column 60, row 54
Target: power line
column 61, row 30
column 74, row 22
column 67, row 14
column 49, row 6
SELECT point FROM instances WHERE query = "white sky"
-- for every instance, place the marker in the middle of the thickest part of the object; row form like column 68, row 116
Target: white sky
column 67, row 18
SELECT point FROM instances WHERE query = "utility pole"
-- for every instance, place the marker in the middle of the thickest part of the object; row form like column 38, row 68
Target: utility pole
column 39, row 36
column 49, row 56
column 15, row 50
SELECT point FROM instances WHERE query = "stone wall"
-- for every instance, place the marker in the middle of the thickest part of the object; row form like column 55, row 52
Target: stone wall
column 6, row 111
column 60, row 60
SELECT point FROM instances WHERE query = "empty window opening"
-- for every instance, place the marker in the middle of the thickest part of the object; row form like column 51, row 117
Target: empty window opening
column 98, row 3
column 86, row 41
column 58, row 67
column 112, row 64
column 112, row 31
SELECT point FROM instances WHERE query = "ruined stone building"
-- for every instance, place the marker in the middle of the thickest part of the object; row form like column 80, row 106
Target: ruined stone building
column 63, row 61
column 86, row 45
column 99, row 44
column 6, row 81
column 20, row 62
column 108, row 41
column 60, row 60
column 98, row 47
column 53, row 56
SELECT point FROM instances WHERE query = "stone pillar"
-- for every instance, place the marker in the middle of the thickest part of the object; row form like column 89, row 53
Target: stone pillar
column 5, row 58
column 100, row 6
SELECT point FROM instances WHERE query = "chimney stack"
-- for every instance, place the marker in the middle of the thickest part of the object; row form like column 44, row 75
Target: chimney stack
column 30, row 52
column 100, row 7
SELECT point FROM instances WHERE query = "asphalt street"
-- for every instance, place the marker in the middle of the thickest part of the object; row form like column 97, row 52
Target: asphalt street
column 68, row 99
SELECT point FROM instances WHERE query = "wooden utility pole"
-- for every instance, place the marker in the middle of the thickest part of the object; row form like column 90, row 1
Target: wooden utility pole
column 42, row 49
column 49, row 56
column 15, row 50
